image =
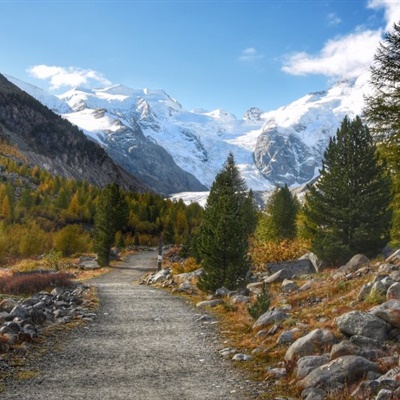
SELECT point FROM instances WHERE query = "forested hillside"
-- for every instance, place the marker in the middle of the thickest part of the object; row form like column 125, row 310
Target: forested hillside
column 40, row 212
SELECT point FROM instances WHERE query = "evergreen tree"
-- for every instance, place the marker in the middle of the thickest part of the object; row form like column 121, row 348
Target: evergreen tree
column 382, row 112
column 279, row 221
column 224, row 230
column 347, row 211
column 111, row 216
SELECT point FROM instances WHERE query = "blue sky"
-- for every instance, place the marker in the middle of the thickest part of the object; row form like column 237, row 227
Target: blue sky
column 206, row 54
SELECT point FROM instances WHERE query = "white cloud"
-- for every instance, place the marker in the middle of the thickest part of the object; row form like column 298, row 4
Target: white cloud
column 69, row 77
column 250, row 54
column 345, row 56
column 333, row 19
column 391, row 8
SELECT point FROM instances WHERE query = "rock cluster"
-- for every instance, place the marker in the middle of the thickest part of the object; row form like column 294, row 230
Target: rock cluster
column 22, row 321
column 363, row 358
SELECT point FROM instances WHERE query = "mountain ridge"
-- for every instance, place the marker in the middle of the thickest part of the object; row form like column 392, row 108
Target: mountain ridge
column 274, row 147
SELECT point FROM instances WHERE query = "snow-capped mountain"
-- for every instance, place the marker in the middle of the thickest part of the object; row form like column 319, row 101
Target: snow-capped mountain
column 281, row 146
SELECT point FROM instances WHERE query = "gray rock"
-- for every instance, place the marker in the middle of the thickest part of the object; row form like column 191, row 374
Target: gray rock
column 279, row 276
column 240, row 299
column 339, row 372
column 19, row 311
column 277, row 373
column 160, row 276
column 270, row 317
column 355, row 263
column 295, row 268
column 242, row 357
column 378, row 289
column 316, row 342
column 365, row 390
column 255, row 286
column 89, row 265
column 7, row 305
column 394, row 291
column 395, row 275
column 364, row 291
column 389, row 312
column 364, row 324
column 187, row 276
column 285, row 337
column 307, row 364
column 222, row 292
column 289, row 286
column 209, row 303
column 315, row 261
column 313, row 394
column 384, row 394
column 394, row 257
column 345, row 348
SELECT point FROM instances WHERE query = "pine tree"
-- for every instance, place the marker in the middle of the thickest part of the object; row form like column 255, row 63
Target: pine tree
column 382, row 112
column 347, row 211
column 224, row 230
column 279, row 221
column 111, row 216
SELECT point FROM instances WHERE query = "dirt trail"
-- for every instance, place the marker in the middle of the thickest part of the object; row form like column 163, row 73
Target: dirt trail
column 145, row 344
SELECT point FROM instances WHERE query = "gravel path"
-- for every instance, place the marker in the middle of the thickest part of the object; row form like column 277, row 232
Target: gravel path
column 144, row 344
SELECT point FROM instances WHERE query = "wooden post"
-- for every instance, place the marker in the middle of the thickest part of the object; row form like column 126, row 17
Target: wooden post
column 159, row 259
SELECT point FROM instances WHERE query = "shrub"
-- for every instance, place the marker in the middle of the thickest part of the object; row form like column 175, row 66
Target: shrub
column 28, row 284
column 261, row 304
column 71, row 239
column 267, row 252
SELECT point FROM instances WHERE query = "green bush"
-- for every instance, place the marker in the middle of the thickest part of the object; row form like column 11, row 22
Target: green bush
column 261, row 304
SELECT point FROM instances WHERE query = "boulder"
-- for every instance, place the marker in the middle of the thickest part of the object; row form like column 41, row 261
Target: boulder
column 341, row 372
column 89, row 265
column 187, row 276
column 7, row 305
column 315, row 261
column 295, row 268
column 269, row 318
column 389, row 312
column 279, row 276
column 394, row 291
column 355, row 263
column 318, row 341
column 307, row 364
column 364, row 324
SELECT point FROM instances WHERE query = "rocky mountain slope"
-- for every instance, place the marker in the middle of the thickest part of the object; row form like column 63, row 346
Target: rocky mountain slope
column 52, row 143
column 120, row 136
column 137, row 126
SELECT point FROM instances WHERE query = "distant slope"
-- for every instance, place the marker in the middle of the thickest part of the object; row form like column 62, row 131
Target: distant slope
column 53, row 143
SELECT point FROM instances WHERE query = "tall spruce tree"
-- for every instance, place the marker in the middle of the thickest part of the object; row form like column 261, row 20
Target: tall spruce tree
column 347, row 211
column 279, row 220
column 224, row 231
column 111, row 216
column 382, row 112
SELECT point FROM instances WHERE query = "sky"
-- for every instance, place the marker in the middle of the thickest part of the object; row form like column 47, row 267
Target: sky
column 206, row 54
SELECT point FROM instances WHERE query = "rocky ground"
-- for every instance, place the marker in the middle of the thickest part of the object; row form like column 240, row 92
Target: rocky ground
column 143, row 344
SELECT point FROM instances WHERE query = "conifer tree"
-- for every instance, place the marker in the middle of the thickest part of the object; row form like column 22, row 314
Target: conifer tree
column 382, row 112
column 279, row 221
column 111, row 216
column 224, row 230
column 347, row 210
